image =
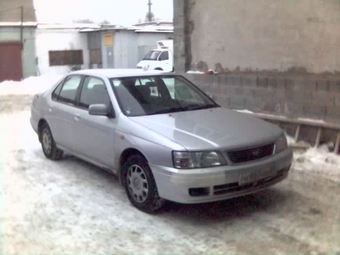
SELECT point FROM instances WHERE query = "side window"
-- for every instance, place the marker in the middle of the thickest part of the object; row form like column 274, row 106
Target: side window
column 142, row 81
column 69, row 90
column 56, row 92
column 164, row 56
column 94, row 92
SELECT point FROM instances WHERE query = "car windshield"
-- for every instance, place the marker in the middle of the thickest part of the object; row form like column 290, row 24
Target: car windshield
column 152, row 55
column 139, row 96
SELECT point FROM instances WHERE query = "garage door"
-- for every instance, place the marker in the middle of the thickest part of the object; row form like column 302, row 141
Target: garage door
column 10, row 61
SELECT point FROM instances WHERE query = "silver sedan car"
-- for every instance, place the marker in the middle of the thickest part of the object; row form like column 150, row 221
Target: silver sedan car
column 161, row 135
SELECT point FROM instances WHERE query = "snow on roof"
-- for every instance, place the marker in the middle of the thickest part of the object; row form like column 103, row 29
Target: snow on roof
column 136, row 29
column 18, row 24
column 68, row 26
column 155, row 29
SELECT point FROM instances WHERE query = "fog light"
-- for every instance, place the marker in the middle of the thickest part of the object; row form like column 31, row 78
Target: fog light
column 196, row 192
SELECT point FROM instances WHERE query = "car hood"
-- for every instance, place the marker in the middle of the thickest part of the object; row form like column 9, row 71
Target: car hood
column 211, row 128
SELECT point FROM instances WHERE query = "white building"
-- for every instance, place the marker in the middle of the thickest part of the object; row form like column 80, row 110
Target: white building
column 59, row 48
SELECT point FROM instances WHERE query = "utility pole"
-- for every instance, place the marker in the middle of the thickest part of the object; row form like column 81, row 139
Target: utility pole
column 22, row 27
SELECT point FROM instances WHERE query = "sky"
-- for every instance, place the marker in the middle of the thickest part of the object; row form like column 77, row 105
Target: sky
column 117, row 12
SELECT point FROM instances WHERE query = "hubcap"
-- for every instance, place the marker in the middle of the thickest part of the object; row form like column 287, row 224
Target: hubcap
column 47, row 141
column 137, row 183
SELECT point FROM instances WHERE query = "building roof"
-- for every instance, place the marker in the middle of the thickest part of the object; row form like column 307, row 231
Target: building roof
column 136, row 29
column 10, row 11
column 155, row 23
column 63, row 26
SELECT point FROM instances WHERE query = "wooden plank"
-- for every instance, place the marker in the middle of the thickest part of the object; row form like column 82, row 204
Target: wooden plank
column 297, row 132
column 337, row 144
column 317, row 139
column 298, row 121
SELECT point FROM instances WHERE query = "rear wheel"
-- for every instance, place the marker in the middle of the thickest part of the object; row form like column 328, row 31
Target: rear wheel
column 140, row 185
column 48, row 145
column 158, row 68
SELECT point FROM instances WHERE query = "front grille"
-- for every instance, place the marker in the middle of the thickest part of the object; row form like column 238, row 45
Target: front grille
column 241, row 156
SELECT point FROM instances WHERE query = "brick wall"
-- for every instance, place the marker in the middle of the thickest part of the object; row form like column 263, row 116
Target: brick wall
column 291, row 96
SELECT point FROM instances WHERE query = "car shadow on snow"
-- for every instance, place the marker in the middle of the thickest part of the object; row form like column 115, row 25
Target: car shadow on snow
column 270, row 199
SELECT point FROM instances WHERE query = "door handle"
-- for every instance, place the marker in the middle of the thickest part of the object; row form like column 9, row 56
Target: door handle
column 77, row 117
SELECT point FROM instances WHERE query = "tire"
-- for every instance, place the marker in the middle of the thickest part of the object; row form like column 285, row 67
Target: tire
column 48, row 145
column 140, row 185
column 159, row 69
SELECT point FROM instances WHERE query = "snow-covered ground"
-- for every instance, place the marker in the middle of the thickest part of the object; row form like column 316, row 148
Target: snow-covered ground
column 71, row 207
column 29, row 86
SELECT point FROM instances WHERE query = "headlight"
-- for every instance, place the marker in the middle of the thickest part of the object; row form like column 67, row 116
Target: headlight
column 188, row 160
column 281, row 144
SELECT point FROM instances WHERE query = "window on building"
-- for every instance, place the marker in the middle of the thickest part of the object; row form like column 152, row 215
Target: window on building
column 66, row 57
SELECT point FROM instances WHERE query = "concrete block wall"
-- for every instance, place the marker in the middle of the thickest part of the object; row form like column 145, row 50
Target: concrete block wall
column 262, row 35
column 310, row 97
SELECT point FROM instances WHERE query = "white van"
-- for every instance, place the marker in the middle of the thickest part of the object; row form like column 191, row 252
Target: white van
column 160, row 58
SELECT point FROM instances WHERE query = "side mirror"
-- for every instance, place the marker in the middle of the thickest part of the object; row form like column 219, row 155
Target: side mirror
column 99, row 110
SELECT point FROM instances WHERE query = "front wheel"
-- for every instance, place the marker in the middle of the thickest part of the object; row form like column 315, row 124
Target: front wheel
column 48, row 145
column 140, row 185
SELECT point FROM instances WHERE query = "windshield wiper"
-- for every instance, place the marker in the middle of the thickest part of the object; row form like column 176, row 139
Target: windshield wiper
column 169, row 110
column 199, row 107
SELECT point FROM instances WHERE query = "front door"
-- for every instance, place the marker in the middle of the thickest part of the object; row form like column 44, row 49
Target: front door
column 93, row 136
column 165, row 62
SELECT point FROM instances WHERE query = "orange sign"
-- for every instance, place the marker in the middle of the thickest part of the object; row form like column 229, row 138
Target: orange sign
column 108, row 39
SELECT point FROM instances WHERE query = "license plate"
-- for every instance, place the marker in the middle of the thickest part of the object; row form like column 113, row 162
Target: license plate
column 256, row 175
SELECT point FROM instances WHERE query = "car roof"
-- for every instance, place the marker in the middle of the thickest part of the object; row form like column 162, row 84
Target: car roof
column 118, row 73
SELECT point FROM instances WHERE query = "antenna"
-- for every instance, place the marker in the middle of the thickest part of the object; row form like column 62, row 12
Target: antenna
column 149, row 15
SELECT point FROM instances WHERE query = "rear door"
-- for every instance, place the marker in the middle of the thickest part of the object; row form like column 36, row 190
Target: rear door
column 61, row 110
column 94, row 135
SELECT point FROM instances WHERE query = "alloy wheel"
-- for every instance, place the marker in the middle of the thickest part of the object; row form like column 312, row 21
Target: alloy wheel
column 137, row 183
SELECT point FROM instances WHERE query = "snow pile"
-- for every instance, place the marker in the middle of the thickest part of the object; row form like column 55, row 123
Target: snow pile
column 290, row 140
column 195, row 72
column 29, row 86
column 319, row 160
column 244, row 111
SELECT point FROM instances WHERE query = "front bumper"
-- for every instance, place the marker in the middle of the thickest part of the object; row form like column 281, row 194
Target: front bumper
column 219, row 183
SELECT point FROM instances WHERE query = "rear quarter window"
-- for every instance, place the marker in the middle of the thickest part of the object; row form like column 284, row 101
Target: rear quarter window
column 69, row 89
column 56, row 92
